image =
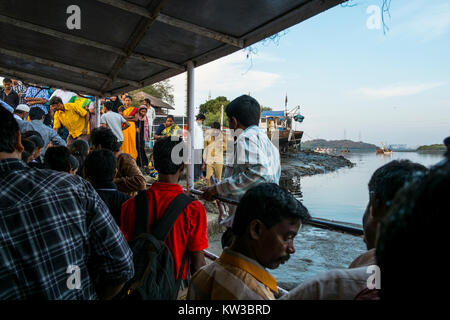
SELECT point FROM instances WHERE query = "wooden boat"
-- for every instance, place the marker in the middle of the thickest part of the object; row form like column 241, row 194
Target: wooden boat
column 280, row 128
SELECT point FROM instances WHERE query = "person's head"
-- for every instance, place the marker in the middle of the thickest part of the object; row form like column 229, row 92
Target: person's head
column 28, row 150
column 216, row 125
column 100, row 166
column 383, row 186
column 108, row 106
column 142, row 111
column 170, row 120
column 147, row 102
column 113, row 98
column 74, row 165
column 200, row 118
column 447, row 144
column 37, row 114
column 57, row 158
column 38, row 141
column 243, row 112
column 56, row 104
column 10, row 138
column 265, row 223
column 22, row 111
column 79, row 148
column 413, row 237
column 164, row 161
column 7, row 83
column 127, row 101
column 104, row 138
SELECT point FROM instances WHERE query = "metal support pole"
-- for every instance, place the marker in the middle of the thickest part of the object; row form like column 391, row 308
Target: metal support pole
column 97, row 111
column 191, row 119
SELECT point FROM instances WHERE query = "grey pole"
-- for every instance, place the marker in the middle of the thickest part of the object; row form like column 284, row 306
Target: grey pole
column 191, row 119
column 97, row 111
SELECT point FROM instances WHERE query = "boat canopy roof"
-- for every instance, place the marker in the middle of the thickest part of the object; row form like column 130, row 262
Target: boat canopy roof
column 125, row 45
column 272, row 114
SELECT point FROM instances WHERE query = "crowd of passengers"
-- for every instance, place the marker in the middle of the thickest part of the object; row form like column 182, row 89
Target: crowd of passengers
column 64, row 206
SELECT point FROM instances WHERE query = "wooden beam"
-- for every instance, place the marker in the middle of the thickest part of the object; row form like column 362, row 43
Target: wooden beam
column 63, row 66
column 82, row 41
column 174, row 22
column 134, row 40
column 47, row 81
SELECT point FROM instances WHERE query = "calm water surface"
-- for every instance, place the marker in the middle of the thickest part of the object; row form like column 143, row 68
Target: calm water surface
column 343, row 195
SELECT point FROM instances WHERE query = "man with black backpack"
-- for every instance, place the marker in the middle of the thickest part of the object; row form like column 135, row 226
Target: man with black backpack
column 166, row 229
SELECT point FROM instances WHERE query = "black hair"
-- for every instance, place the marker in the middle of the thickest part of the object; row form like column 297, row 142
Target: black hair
column 147, row 100
column 79, row 149
column 74, row 163
column 447, row 144
column 413, row 235
column 55, row 100
column 170, row 116
column 57, row 158
column 128, row 97
column 109, row 105
column 104, row 137
column 245, row 109
column 388, row 179
column 100, row 166
column 215, row 125
column 7, row 80
column 162, row 154
column 8, row 131
column 36, row 137
column 28, row 148
column 200, row 116
column 268, row 203
column 36, row 114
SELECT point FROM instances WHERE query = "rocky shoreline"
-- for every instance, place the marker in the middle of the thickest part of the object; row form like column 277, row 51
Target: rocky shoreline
column 307, row 163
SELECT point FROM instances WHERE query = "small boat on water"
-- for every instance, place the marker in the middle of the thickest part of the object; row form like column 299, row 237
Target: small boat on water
column 384, row 150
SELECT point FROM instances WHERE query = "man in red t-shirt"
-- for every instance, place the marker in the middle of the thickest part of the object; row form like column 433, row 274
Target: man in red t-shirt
column 189, row 230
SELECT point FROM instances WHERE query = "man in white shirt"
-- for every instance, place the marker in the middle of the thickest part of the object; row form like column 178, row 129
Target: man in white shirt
column 151, row 115
column 114, row 121
column 199, row 143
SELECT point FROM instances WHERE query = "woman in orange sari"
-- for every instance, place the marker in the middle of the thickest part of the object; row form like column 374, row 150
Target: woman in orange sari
column 129, row 134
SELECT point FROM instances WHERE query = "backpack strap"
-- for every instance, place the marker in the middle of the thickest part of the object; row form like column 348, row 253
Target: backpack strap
column 175, row 208
column 164, row 226
column 142, row 213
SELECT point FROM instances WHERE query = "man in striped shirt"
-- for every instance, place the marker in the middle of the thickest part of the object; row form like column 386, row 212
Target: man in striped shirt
column 252, row 158
column 266, row 222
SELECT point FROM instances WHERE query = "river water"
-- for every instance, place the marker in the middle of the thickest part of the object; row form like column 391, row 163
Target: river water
column 341, row 195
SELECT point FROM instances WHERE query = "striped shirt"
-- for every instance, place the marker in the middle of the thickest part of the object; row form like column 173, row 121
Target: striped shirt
column 232, row 277
column 253, row 159
column 33, row 92
column 57, row 237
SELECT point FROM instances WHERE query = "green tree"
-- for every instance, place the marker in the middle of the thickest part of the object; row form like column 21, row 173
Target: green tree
column 211, row 110
column 162, row 90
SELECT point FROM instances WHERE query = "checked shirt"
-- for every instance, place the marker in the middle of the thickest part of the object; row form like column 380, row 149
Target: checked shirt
column 57, row 237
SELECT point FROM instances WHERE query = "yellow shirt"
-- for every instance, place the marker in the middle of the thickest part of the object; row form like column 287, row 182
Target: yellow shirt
column 232, row 277
column 73, row 119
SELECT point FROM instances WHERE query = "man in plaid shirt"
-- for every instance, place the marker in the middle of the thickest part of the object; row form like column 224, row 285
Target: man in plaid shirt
column 57, row 237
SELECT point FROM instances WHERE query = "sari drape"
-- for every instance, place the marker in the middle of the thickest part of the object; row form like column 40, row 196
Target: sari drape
column 129, row 135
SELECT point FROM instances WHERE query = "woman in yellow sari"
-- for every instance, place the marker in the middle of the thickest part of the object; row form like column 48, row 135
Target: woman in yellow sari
column 129, row 134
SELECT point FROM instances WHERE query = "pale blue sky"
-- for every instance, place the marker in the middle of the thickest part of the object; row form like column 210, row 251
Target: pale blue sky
column 392, row 88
